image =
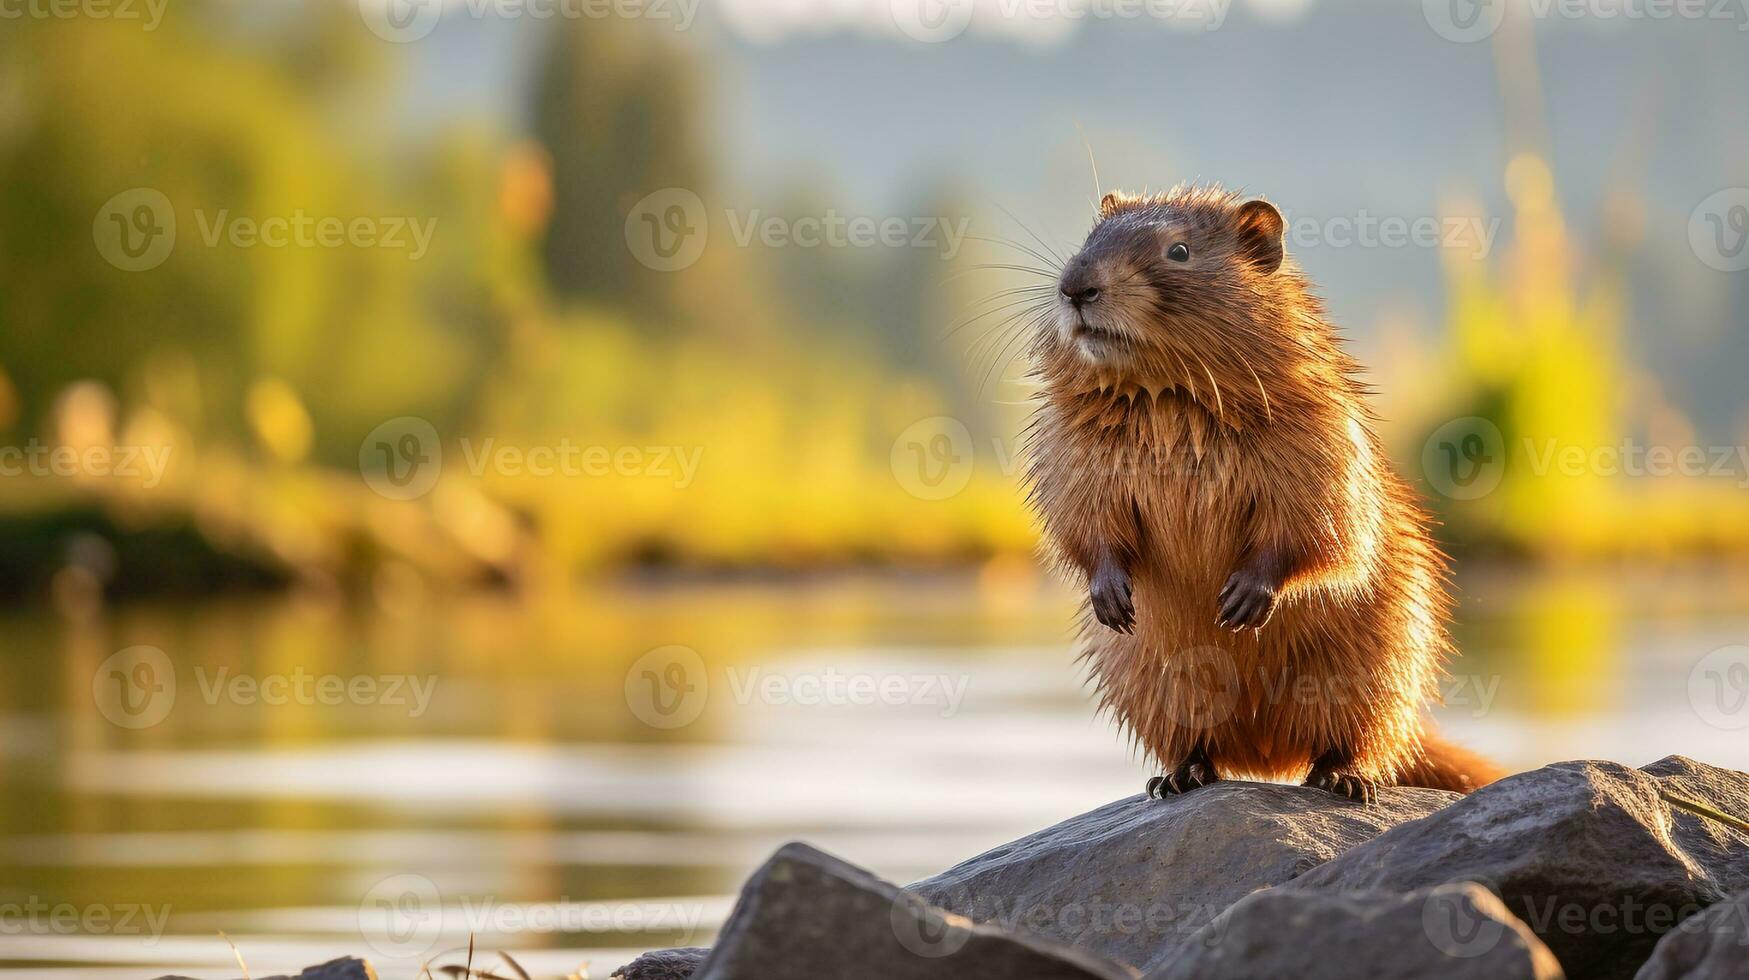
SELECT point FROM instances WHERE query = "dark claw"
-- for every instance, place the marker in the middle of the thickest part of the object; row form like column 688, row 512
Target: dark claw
column 1345, row 784
column 1190, row 774
column 1246, row 602
column 1113, row 600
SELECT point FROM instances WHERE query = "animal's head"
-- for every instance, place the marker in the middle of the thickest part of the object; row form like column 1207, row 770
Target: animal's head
column 1185, row 289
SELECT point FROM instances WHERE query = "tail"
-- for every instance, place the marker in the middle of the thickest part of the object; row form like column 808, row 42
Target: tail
column 1442, row 765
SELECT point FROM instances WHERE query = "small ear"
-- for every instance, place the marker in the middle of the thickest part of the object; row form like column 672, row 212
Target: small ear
column 1114, row 202
column 1260, row 233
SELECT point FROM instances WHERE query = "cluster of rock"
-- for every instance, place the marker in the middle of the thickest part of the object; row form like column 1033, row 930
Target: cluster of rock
column 1582, row 869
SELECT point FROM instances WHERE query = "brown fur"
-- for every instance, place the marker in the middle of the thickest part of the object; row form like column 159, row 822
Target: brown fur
column 1217, row 426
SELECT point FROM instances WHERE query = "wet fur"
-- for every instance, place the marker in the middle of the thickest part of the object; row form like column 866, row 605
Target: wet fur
column 1219, row 425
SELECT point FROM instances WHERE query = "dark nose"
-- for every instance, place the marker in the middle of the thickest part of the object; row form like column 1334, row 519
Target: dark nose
column 1079, row 294
column 1077, row 285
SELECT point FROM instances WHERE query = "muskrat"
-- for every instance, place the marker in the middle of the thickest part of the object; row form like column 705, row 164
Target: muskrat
column 1265, row 596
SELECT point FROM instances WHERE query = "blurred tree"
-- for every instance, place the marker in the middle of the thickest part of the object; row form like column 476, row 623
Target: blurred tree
column 615, row 105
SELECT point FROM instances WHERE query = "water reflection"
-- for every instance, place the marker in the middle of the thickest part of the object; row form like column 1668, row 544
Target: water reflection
column 495, row 750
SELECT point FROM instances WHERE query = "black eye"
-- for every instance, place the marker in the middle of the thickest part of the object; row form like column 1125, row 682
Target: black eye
column 1179, row 252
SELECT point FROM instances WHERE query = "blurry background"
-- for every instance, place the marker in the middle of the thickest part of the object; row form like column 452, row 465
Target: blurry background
column 503, row 466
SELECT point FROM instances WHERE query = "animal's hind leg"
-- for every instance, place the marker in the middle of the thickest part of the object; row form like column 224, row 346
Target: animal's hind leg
column 1334, row 771
column 1195, row 770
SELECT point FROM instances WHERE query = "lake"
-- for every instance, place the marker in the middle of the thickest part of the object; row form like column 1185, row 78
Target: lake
column 578, row 777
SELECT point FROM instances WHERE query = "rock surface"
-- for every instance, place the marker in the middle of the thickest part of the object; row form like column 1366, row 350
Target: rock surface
column 1719, row 846
column 1453, row 932
column 1713, row 945
column 1583, row 852
column 344, row 968
column 805, row 915
column 1134, row 879
column 665, row 964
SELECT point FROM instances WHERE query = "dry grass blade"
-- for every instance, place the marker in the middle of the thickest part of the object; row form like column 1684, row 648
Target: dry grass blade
column 237, row 953
column 1696, row 807
column 514, row 966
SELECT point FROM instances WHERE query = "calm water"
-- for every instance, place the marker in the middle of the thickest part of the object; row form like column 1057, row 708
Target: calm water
column 315, row 778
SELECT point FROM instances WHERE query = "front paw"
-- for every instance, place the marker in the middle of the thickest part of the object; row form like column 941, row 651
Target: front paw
column 1113, row 602
column 1247, row 601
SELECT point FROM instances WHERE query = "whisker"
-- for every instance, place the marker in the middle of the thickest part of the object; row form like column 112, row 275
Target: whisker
column 1007, row 322
column 1007, row 353
column 961, row 325
column 1035, row 236
column 1018, row 247
column 1046, row 273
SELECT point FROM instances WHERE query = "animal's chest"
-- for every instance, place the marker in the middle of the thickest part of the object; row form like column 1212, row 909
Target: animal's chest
column 1192, row 481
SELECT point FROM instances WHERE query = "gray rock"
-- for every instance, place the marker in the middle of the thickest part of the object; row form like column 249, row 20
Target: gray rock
column 806, row 915
column 1722, row 848
column 1454, row 932
column 344, row 968
column 1713, row 945
column 1583, row 852
column 665, row 964
column 1134, row 879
